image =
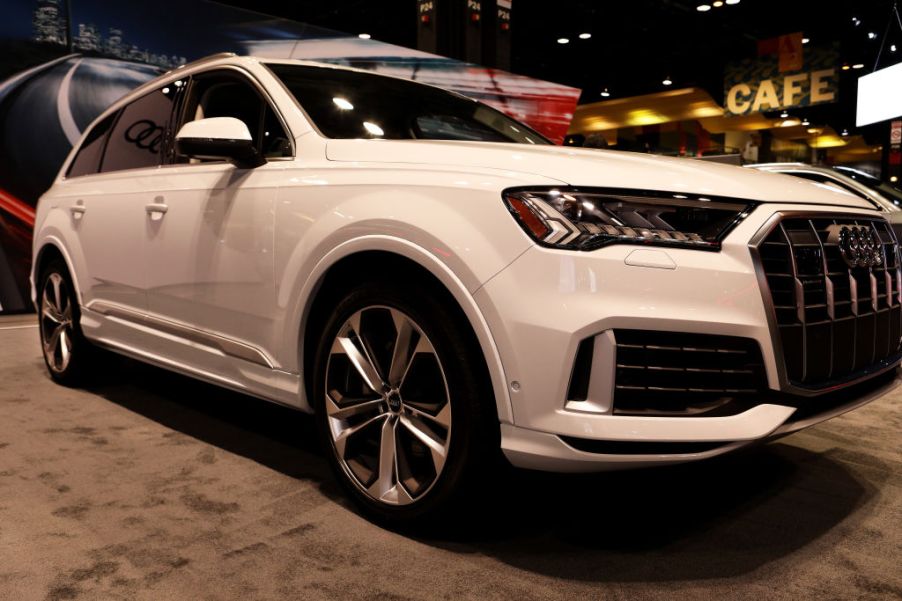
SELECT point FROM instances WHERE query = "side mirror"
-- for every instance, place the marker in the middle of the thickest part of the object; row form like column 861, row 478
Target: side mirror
column 219, row 138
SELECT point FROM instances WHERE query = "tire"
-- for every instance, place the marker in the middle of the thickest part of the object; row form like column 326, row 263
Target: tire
column 67, row 354
column 409, row 429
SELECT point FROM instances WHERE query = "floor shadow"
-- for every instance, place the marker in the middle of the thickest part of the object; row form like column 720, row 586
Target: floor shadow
column 711, row 519
column 278, row 437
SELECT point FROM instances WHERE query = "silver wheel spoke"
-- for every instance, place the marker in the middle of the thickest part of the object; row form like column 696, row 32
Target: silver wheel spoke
column 341, row 440
column 405, row 344
column 55, row 279
column 425, row 436
column 386, row 478
column 49, row 312
column 65, row 351
column 54, row 339
column 351, row 409
column 361, row 362
column 442, row 418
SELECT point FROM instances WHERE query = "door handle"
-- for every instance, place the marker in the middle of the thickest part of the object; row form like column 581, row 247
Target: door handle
column 156, row 210
column 78, row 209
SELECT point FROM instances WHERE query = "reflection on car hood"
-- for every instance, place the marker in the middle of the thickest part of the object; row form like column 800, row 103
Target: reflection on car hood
column 607, row 168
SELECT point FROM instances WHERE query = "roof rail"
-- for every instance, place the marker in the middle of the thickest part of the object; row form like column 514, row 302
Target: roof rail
column 205, row 59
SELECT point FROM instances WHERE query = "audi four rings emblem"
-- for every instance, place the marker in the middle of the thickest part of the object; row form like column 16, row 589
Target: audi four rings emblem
column 859, row 246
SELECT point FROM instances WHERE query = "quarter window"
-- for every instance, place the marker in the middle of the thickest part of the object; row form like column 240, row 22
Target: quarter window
column 87, row 160
column 139, row 134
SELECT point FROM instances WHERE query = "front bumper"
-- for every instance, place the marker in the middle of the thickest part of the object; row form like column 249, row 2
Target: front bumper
column 544, row 304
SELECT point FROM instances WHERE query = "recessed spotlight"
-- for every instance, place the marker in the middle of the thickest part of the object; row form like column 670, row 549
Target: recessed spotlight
column 563, row 40
column 667, row 81
column 703, row 8
column 805, row 122
column 856, row 21
column 872, row 35
column 373, row 129
column 858, row 66
column 585, row 36
column 364, row 36
column 343, row 104
column 892, row 48
column 806, row 40
column 893, row 179
column 717, row 3
column 732, row 1
column 783, row 115
column 846, row 67
column 605, row 93
column 845, row 132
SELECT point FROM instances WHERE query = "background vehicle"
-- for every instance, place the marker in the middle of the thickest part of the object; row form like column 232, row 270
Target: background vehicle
column 851, row 180
column 436, row 281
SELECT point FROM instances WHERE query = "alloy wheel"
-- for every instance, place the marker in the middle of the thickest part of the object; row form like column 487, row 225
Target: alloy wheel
column 56, row 323
column 387, row 405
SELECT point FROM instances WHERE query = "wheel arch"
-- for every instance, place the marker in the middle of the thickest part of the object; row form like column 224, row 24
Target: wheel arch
column 50, row 249
column 324, row 284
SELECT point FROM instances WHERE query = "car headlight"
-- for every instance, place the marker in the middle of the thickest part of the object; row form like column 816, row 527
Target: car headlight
column 573, row 219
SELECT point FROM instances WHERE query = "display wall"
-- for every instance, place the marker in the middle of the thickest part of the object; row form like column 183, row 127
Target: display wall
column 59, row 71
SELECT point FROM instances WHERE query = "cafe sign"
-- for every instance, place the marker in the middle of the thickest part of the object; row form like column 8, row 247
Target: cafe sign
column 787, row 78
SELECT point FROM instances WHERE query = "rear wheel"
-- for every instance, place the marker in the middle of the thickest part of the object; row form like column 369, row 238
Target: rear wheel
column 402, row 404
column 66, row 352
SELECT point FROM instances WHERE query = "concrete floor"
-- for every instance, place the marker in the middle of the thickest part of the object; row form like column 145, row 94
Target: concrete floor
column 153, row 486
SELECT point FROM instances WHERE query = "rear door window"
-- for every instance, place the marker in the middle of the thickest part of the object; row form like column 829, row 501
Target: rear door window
column 87, row 160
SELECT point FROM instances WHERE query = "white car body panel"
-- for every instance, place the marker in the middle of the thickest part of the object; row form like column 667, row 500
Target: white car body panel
column 219, row 284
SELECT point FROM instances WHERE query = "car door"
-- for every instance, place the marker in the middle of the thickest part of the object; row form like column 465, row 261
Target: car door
column 109, row 187
column 210, row 255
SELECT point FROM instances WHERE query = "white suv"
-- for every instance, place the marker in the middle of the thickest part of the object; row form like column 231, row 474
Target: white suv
column 435, row 281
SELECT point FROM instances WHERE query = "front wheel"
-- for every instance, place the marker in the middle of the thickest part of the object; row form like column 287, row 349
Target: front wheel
column 402, row 403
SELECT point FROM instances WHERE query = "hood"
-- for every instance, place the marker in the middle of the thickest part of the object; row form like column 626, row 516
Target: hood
column 601, row 168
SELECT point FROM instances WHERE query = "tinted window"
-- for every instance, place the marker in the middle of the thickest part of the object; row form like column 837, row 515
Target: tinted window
column 225, row 94
column 87, row 160
column 891, row 192
column 349, row 104
column 138, row 136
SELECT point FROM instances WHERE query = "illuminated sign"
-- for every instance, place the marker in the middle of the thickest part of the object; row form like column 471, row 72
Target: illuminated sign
column 755, row 86
column 878, row 96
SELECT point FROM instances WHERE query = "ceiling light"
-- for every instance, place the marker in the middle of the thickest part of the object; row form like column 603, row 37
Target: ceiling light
column 858, row 66
column 563, row 40
column 893, row 179
column 846, row 67
column 703, row 8
column 892, row 48
column 364, row 36
column 667, row 81
column 805, row 122
column 717, row 3
column 343, row 104
column 813, row 130
column 872, row 35
column 806, row 40
column 373, row 128
column 732, row 1
column 605, row 93
column 856, row 21
column 585, row 36
column 783, row 115
column 845, row 132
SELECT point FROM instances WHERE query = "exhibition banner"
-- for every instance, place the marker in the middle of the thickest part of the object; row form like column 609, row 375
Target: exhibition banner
column 60, row 70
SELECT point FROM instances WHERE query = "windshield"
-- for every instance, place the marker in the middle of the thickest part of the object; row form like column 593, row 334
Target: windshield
column 890, row 192
column 349, row 104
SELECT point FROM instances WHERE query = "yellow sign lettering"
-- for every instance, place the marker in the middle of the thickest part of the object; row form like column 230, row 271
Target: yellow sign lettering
column 820, row 86
column 739, row 98
column 792, row 87
column 766, row 95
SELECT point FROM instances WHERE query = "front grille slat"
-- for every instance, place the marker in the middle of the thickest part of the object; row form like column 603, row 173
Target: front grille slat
column 833, row 320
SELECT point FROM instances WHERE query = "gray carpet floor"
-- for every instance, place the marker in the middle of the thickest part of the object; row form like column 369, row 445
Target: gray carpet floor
column 152, row 486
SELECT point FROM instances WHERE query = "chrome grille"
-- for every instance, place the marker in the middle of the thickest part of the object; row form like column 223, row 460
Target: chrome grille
column 834, row 321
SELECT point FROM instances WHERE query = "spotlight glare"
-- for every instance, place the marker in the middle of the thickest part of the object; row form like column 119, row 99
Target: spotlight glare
column 563, row 40
column 805, row 40
column 703, row 8
column 605, row 93
column 858, row 66
column 717, row 3
column 585, row 36
column 364, row 36
column 667, row 81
